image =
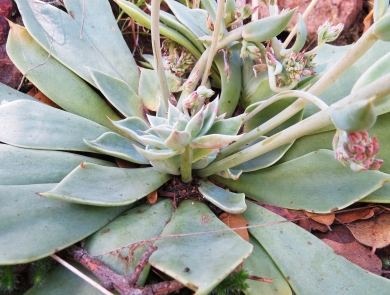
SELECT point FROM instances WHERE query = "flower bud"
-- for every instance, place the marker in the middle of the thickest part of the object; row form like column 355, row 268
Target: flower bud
column 328, row 33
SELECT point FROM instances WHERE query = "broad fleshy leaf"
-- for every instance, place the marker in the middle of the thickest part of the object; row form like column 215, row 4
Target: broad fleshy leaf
column 264, row 160
column 26, row 166
column 106, row 186
column 260, row 264
column 31, row 124
column 137, row 224
column 105, row 28
column 61, row 281
column 33, row 227
column 225, row 250
column 306, row 262
column 8, row 94
column 157, row 155
column 381, row 195
column 119, row 93
column 57, row 32
column 229, row 126
column 64, row 87
column 233, row 203
column 214, row 141
column 315, row 182
column 170, row 165
column 131, row 127
column 113, row 144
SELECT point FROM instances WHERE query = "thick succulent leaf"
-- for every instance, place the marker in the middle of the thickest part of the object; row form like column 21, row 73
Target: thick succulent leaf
column 210, row 113
column 152, row 140
column 260, row 264
column 195, row 123
column 149, row 90
column 182, row 13
column 233, row 203
column 230, row 174
column 315, row 182
column 61, row 281
column 144, row 20
column 213, row 141
column 8, row 94
column 57, row 32
column 268, row 113
column 33, row 227
column 177, row 140
column 64, row 87
column 211, row 7
column 25, row 166
column 225, row 250
column 264, row 160
column 342, row 86
column 323, row 140
column 137, row 224
column 119, row 93
column 113, row 144
column 92, row 184
column 131, row 127
column 103, row 32
column 31, row 124
column 201, row 16
column 170, row 165
column 381, row 195
column 157, row 155
column 205, row 161
column 229, row 126
column 306, row 262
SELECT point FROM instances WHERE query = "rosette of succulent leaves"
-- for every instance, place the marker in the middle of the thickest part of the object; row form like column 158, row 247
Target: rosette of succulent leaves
column 170, row 120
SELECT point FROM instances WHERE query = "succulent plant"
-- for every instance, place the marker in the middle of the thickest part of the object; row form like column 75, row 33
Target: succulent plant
column 60, row 182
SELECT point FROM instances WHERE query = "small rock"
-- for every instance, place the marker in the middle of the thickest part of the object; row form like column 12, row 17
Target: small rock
column 337, row 11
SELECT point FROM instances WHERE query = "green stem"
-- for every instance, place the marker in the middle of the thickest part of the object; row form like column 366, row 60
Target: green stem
column 378, row 89
column 356, row 51
column 186, row 165
column 155, row 33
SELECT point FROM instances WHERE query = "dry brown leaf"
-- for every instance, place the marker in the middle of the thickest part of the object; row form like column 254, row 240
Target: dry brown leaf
column 37, row 94
column 318, row 226
column 358, row 254
column 351, row 216
column 305, row 222
column 367, row 22
column 374, row 232
column 152, row 198
column 278, row 210
column 340, row 234
column 125, row 164
column 326, row 219
column 236, row 220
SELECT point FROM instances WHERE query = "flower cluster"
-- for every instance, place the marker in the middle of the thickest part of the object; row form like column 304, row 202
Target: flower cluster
column 328, row 33
column 197, row 97
column 357, row 148
column 293, row 66
column 177, row 58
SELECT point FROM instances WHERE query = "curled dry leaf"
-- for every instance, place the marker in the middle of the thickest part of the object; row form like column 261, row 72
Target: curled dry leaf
column 340, row 234
column 152, row 198
column 283, row 212
column 374, row 232
column 236, row 220
column 125, row 164
column 351, row 216
column 37, row 94
column 326, row 219
column 358, row 254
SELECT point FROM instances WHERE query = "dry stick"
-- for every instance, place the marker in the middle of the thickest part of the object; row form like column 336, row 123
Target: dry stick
column 125, row 285
column 295, row 29
column 152, row 240
column 50, row 49
column 80, row 274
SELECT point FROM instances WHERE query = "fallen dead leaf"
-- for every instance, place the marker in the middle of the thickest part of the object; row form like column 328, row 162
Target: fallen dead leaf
column 358, row 254
column 152, row 198
column 236, row 220
column 340, row 234
column 326, row 219
column 278, row 210
column 367, row 22
column 125, row 164
column 318, row 226
column 374, row 232
column 37, row 94
column 351, row 216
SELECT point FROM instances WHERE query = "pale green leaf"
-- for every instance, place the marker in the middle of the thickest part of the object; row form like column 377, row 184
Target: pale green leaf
column 31, row 124
column 309, row 265
column 120, row 94
column 33, row 227
column 229, row 126
column 137, row 224
column 113, row 144
column 315, row 182
column 63, row 87
column 233, row 203
column 207, row 257
column 92, row 184
column 26, row 166
column 260, row 264
column 8, row 94
column 381, row 195
column 99, row 25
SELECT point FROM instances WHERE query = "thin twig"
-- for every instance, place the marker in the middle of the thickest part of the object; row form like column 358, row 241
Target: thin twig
column 80, row 274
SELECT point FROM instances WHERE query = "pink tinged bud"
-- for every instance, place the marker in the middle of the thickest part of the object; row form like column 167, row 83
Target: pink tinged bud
column 271, row 58
column 375, row 144
column 358, row 149
column 376, row 164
